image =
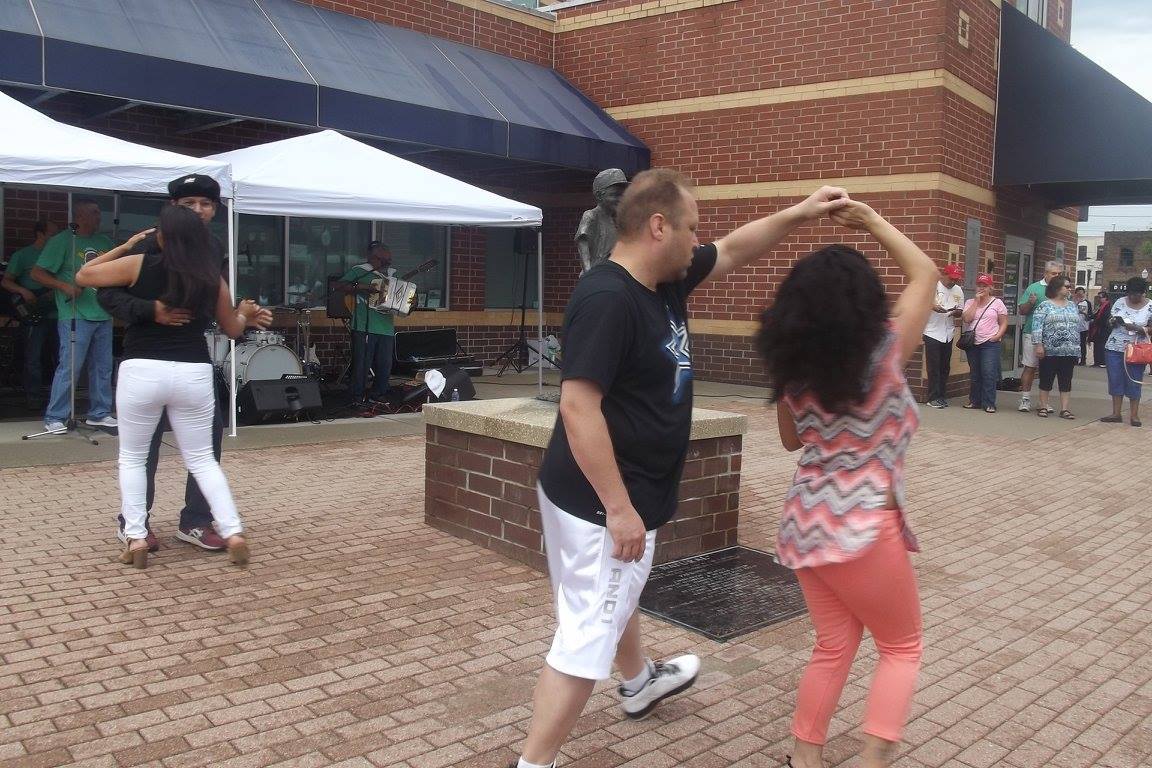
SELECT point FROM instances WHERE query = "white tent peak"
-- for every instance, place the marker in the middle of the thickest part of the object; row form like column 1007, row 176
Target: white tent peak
column 39, row 151
column 330, row 175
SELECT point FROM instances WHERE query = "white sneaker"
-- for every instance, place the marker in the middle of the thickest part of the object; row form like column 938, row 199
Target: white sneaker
column 1025, row 404
column 671, row 677
column 107, row 421
column 55, row 427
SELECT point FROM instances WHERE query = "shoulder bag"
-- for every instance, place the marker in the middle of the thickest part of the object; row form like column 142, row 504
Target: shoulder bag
column 967, row 339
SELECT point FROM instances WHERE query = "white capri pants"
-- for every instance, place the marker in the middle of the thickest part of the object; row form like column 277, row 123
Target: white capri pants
column 595, row 594
column 144, row 389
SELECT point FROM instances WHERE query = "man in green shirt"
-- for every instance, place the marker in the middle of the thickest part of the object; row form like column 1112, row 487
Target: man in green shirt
column 373, row 333
column 56, row 268
column 1029, row 300
column 41, row 316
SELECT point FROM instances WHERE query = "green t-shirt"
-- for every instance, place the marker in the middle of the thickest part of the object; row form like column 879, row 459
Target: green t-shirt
column 378, row 323
column 57, row 259
column 20, row 267
column 1036, row 289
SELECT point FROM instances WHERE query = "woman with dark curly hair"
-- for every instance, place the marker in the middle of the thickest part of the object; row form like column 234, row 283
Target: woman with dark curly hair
column 836, row 359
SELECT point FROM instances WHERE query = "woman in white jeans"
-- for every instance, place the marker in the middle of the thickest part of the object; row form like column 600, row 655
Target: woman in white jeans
column 167, row 367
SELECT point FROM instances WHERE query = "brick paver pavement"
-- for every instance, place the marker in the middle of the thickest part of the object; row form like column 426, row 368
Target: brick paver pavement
column 361, row 637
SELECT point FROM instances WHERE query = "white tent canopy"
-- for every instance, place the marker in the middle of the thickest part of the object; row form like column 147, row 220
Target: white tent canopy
column 38, row 151
column 329, row 175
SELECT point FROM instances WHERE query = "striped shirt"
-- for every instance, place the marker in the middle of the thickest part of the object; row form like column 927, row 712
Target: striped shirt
column 848, row 465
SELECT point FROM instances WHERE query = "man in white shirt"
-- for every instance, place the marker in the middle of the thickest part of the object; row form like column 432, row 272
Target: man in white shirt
column 938, row 334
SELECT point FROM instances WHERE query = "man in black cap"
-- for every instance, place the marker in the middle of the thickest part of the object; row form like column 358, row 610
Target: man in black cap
column 200, row 194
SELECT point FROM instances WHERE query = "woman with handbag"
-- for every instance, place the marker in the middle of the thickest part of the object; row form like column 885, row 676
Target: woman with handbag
column 985, row 320
column 1056, row 326
column 1131, row 321
column 838, row 383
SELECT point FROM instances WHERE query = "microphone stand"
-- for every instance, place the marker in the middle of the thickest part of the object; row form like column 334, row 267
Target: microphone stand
column 517, row 355
column 72, row 426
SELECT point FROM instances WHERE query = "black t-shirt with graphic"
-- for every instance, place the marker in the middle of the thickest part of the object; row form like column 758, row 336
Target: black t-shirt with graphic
column 633, row 342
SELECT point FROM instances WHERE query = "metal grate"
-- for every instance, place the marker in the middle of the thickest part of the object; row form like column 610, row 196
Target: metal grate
column 723, row 594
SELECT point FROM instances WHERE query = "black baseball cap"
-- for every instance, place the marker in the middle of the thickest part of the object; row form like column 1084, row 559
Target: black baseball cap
column 194, row 185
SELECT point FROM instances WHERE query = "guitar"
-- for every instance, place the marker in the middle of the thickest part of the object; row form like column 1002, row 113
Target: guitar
column 33, row 312
column 350, row 298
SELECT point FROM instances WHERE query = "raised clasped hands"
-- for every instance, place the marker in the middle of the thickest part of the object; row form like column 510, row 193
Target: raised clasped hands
column 824, row 202
column 854, row 214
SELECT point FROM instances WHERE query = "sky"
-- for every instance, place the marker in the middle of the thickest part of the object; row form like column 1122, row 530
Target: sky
column 1116, row 34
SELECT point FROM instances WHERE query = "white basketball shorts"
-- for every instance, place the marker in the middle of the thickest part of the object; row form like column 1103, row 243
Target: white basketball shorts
column 595, row 595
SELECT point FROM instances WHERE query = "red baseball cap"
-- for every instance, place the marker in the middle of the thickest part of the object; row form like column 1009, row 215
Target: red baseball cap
column 984, row 280
column 953, row 271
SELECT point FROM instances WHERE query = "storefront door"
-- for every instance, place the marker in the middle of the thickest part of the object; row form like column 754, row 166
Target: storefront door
column 1018, row 255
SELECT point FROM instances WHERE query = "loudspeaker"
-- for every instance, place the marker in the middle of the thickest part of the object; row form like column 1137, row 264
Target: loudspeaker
column 336, row 302
column 454, row 378
column 260, row 400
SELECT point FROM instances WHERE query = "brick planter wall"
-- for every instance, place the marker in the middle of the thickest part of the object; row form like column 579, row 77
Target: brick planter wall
column 484, row 489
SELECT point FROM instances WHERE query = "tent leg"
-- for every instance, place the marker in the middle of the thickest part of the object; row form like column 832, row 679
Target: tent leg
column 232, row 227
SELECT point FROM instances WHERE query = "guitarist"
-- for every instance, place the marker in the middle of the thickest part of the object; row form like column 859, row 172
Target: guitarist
column 373, row 332
column 36, row 309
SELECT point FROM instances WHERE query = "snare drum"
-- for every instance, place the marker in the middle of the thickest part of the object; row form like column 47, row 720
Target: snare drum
column 258, row 336
column 257, row 361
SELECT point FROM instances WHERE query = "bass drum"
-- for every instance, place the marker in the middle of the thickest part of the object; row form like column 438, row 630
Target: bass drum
column 260, row 362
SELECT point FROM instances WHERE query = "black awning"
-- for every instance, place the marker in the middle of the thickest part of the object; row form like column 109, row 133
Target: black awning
column 283, row 61
column 1066, row 129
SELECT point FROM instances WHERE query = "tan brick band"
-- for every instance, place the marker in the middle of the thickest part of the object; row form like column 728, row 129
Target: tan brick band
column 524, row 17
column 632, row 12
column 832, row 89
column 898, row 182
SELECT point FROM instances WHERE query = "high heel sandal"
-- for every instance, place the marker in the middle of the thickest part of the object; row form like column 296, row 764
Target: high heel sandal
column 238, row 550
column 138, row 557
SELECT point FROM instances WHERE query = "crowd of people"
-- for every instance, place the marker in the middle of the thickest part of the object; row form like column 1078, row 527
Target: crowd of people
column 1059, row 323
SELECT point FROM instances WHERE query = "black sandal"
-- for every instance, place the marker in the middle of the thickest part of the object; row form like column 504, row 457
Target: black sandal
column 1042, row 412
column 1136, row 423
column 1111, row 419
column 990, row 409
column 970, row 407
column 1067, row 414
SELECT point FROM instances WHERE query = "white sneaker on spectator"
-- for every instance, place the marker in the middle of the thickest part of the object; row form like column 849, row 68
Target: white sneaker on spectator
column 668, row 679
column 1025, row 404
column 107, row 421
column 55, row 427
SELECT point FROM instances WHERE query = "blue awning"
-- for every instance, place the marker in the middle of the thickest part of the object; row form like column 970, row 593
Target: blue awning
column 283, row 61
column 1066, row 129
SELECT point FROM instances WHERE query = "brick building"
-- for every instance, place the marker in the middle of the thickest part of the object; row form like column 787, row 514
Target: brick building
column 1126, row 254
column 759, row 101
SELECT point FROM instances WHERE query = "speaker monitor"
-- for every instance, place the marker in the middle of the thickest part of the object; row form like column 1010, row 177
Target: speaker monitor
column 336, row 301
column 263, row 399
column 454, row 378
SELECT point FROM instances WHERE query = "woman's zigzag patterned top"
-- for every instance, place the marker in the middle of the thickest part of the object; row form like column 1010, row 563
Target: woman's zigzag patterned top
column 849, row 463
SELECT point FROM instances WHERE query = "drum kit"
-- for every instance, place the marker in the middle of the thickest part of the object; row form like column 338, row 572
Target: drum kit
column 265, row 354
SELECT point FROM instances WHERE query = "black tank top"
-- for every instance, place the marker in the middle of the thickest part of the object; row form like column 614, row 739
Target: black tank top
column 152, row 341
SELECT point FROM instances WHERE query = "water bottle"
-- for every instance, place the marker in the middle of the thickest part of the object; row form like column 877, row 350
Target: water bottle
column 455, row 395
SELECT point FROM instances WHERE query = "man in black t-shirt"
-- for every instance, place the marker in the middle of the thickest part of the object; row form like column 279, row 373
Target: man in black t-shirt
column 611, row 473
column 201, row 195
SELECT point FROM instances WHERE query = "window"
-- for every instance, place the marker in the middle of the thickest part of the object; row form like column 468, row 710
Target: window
column 1098, row 280
column 1081, row 277
column 1035, row 10
column 510, row 268
column 319, row 249
column 412, row 246
column 260, row 259
column 1125, row 257
column 1099, row 253
column 1082, row 253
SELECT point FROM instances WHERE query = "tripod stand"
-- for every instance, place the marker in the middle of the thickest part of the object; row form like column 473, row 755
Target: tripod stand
column 516, row 355
column 72, row 426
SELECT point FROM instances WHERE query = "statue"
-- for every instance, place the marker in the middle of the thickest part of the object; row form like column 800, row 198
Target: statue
column 596, row 235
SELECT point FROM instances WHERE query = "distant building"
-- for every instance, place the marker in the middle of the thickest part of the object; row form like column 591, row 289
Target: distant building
column 1126, row 254
column 1090, row 264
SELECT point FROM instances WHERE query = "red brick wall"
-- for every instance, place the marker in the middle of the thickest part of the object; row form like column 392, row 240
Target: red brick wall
column 748, row 45
column 484, row 490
